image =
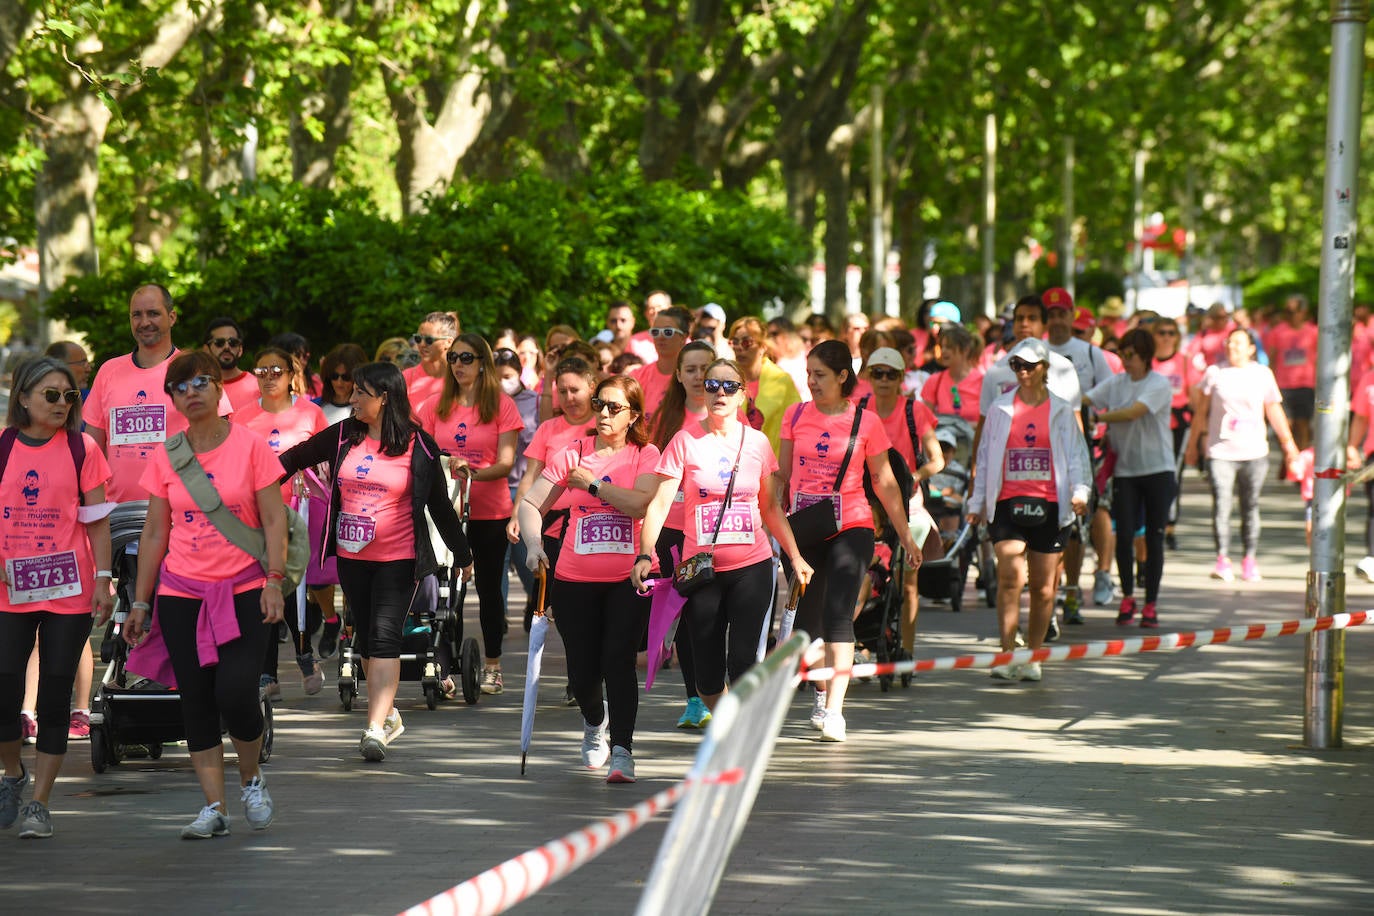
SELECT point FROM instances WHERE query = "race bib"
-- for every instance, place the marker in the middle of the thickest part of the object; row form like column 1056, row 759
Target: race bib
column 1029, row 464
column 802, row 500
column 1295, row 356
column 605, row 532
column 138, row 423
column 355, row 531
column 45, row 578
column 736, row 528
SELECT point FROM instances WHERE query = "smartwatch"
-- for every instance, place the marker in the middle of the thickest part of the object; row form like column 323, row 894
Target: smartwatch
column 594, row 487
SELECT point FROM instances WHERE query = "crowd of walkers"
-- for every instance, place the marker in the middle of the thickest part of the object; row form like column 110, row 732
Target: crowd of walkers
column 738, row 459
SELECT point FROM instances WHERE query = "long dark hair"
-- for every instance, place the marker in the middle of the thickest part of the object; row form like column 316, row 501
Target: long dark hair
column 398, row 426
column 27, row 375
column 346, row 356
column 672, row 412
column 834, row 355
column 488, row 385
column 638, row 432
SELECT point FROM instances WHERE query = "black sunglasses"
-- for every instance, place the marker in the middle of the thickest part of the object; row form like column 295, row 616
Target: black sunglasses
column 425, row 339
column 884, row 375
column 269, row 371
column 53, row 395
column 199, row 383
column 1017, row 364
column 342, row 376
column 466, row 357
column 599, row 405
column 233, row 342
column 729, row 386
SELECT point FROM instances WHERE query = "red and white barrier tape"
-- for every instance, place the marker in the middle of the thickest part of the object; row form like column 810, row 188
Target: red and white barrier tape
column 498, row 889
column 1165, row 642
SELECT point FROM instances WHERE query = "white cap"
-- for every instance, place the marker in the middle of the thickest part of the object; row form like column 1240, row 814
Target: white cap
column 886, row 356
column 1032, row 350
column 714, row 311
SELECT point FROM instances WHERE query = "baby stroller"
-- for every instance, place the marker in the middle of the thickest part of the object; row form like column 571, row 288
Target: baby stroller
column 432, row 645
column 132, row 716
column 943, row 579
column 878, row 628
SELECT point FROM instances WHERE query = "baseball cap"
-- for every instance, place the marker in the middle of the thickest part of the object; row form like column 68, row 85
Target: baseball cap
column 944, row 310
column 1057, row 297
column 1032, row 350
column 603, row 337
column 886, row 356
column 946, row 437
column 711, row 310
column 1082, row 319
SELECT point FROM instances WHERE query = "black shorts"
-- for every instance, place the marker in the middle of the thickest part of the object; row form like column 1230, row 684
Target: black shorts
column 1045, row 538
column 1299, row 403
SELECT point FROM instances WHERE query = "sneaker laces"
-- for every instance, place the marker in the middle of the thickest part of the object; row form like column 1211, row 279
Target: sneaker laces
column 252, row 792
column 36, row 810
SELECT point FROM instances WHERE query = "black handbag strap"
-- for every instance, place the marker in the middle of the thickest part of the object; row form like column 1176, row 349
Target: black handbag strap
column 730, row 487
column 849, row 449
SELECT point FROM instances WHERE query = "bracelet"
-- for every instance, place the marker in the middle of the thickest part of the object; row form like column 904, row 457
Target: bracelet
column 141, row 606
column 273, row 583
column 103, row 574
column 644, row 556
column 275, row 574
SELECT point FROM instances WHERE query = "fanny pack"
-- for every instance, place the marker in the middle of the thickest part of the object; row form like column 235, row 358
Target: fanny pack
column 1031, row 511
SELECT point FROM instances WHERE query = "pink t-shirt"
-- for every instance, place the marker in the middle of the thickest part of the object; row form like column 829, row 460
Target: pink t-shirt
column 552, row 436
column 642, row 345
column 674, row 519
column 283, row 430
column 1207, row 348
column 421, row 385
column 465, row 435
column 894, row 424
column 374, row 504
column 1028, row 466
column 128, row 404
column 242, row 391
column 818, row 446
column 1179, row 372
column 655, row 385
column 1362, row 404
column 944, row 396
column 1293, row 354
column 1235, row 418
column 701, row 461
column 238, row 467
column 601, row 541
column 48, row 556
column 1305, row 472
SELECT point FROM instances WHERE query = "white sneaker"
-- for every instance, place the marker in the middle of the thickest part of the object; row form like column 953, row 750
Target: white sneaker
column 1365, row 569
column 257, row 804
column 833, row 729
column 392, row 726
column 596, row 750
column 1006, row 672
column 373, row 744
column 1030, row 671
column 818, row 711
column 210, row 822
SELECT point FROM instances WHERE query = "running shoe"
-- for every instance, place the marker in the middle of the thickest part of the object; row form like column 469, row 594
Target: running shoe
column 269, row 687
column 79, row 726
column 11, row 791
column 28, row 728
column 373, row 744
column 696, row 716
column 595, row 748
column 1006, row 672
column 1365, row 569
column 1170, row 540
column 313, row 682
column 818, row 711
column 569, row 698
column 1126, row 613
column 1102, row 588
column 329, row 637
column 1249, row 570
column 1149, row 617
column 257, row 804
column 392, row 726
column 1222, row 570
column 37, row 823
column 622, row 766
column 1030, row 671
column 833, row 729
column 491, row 680
column 210, row 822
column 1052, row 633
column 1073, row 604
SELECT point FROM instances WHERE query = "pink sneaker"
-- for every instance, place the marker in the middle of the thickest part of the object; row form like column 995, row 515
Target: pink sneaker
column 79, row 726
column 1222, row 570
column 28, row 728
column 1126, row 613
column 1249, row 570
column 1149, row 618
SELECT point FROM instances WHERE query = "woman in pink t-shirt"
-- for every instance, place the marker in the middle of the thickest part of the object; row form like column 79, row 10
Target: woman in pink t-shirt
column 955, row 389
column 206, row 583
column 50, row 534
column 476, row 426
column 606, row 479
column 709, row 460
column 815, row 440
column 282, row 419
column 1177, row 369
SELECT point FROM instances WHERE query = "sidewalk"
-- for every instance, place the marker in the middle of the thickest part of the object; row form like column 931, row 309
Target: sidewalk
column 1159, row 783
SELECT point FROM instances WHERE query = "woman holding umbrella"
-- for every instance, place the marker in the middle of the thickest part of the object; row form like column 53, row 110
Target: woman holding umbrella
column 605, row 479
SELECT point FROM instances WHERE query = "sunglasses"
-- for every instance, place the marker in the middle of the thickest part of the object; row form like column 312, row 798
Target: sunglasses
column 418, row 339
column 53, row 395
column 715, row 385
column 270, row 371
column 1161, row 332
column 1017, row 364
column 880, row 374
column 342, row 376
column 665, row 333
column 199, row 383
column 466, row 357
column 743, row 343
column 505, row 353
column 611, row 406
column 232, row 342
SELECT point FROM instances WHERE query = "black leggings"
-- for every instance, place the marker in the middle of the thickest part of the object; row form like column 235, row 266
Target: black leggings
column 827, row 608
column 726, row 618
column 379, row 597
column 489, row 544
column 59, row 652
column 602, row 624
column 1152, row 495
column 227, row 690
column 291, row 614
column 669, row 538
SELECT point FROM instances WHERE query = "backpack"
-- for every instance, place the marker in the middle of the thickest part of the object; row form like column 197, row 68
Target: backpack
column 75, row 443
column 905, row 476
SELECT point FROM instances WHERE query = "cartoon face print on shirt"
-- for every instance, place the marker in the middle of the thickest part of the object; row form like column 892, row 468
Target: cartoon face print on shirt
column 363, row 469
column 31, row 488
column 460, row 435
column 1030, row 436
column 274, row 440
column 823, row 445
column 141, row 397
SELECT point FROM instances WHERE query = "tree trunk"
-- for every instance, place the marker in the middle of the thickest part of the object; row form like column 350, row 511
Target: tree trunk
column 64, row 193
column 834, row 183
column 910, row 238
column 327, row 103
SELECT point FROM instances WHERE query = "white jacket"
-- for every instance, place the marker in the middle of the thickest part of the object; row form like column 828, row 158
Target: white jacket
column 1068, row 451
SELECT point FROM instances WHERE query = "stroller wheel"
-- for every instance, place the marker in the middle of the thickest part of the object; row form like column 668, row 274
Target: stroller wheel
column 470, row 661
column 956, row 601
column 346, row 695
column 432, row 696
column 100, row 750
column 154, row 750
column 885, row 682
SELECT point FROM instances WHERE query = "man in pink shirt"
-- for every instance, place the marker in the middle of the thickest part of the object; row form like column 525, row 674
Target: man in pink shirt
column 1292, row 346
column 642, row 343
column 224, row 341
column 1208, row 346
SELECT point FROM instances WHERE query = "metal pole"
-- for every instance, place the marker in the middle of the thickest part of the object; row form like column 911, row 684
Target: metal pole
column 1137, row 233
column 875, row 201
column 1324, row 684
column 1070, row 249
column 989, row 215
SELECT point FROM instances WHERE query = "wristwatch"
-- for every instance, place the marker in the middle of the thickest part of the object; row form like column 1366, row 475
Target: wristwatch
column 644, row 556
column 594, row 487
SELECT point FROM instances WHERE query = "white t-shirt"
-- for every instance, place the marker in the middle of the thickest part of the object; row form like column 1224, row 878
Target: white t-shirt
column 1088, row 361
column 1062, row 382
column 1143, row 445
column 1235, row 417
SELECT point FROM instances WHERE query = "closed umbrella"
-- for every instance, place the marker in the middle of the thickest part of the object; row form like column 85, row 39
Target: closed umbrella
column 534, row 661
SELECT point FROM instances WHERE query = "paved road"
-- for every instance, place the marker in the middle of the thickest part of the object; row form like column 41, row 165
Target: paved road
column 1161, row 783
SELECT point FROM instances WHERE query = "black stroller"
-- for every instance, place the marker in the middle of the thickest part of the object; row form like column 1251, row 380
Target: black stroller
column 944, row 579
column 131, row 716
column 878, row 628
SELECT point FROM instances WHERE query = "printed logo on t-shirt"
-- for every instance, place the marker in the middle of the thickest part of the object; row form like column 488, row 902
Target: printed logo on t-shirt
column 274, row 440
column 460, row 435
column 361, row 471
column 723, row 469
column 1030, row 436
column 30, row 489
column 141, row 398
column 823, row 445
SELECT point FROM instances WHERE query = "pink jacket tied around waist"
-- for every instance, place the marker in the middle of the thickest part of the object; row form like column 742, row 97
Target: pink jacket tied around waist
column 216, row 624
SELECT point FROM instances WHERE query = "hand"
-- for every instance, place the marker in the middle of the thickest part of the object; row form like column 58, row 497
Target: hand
column 1080, row 506
column 466, row 573
column 975, row 518
column 802, row 571
column 579, row 478
column 102, row 602
column 513, row 530
column 1353, row 461
column 535, row 559
column 913, row 553
column 135, row 627
column 273, row 604
column 637, row 574
column 458, row 468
